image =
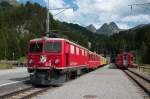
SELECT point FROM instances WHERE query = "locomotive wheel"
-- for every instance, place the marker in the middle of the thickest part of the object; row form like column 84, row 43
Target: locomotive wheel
column 73, row 74
column 68, row 76
column 85, row 70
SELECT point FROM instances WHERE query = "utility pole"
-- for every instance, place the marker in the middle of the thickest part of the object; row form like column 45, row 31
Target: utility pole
column 13, row 56
column 47, row 25
column 5, row 54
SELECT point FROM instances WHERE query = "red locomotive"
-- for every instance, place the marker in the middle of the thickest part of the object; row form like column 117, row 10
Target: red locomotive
column 54, row 60
column 124, row 60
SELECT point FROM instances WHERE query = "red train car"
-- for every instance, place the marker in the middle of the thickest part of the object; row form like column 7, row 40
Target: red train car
column 124, row 60
column 54, row 60
column 94, row 60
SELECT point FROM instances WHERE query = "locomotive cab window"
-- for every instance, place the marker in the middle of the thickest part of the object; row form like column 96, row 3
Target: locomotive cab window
column 36, row 47
column 52, row 47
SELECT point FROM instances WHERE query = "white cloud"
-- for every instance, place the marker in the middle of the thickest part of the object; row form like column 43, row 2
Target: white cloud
column 137, row 19
column 55, row 3
column 123, row 25
column 98, row 12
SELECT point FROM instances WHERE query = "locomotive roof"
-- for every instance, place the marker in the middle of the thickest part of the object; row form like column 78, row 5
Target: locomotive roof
column 46, row 38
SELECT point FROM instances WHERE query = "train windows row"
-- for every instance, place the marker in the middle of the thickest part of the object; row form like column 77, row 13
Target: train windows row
column 77, row 51
column 92, row 57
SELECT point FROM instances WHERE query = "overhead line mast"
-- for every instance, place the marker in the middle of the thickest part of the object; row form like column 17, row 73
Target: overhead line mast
column 47, row 25
column 48, row 16
column 138, row 4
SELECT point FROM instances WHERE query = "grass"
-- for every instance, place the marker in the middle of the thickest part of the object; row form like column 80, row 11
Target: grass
column 22, row 59
column 5, row 66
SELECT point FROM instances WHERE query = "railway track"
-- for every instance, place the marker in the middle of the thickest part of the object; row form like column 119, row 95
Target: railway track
column 25, row 93
column 140, row 81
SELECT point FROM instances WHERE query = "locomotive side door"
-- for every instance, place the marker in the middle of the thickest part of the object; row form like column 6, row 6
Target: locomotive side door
column 125, row 63
column 67, row 48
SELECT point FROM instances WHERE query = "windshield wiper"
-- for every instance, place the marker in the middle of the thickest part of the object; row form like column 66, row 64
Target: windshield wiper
column 37, row 45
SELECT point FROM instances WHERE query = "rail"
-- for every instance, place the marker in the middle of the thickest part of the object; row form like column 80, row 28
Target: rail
column 26, row 93
column 140, row 80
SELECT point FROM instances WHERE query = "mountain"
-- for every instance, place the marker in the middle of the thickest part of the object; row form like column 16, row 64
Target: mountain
column 108, row 29
column 139, row 26
column 104, row 29
column 114, row 27
column 8, row 3
column 91, row 28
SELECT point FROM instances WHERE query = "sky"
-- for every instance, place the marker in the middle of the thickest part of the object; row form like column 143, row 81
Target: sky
column 98, row 12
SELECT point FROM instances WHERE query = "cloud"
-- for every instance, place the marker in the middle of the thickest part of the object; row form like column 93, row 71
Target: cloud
column 56, row 3
column 123, row 25
column 139, row 18
column 98, row 12
column 110, row 10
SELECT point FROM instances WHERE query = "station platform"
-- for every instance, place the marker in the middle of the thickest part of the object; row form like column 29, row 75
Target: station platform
column 10, row 76
column 103, row 83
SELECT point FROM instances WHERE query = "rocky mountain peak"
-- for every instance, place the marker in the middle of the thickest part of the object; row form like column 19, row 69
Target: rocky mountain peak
column 91, row 28
column 108, row 29
column 113, row 25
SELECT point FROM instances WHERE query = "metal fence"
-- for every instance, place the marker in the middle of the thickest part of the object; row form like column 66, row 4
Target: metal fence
column 144, row 68
column 21, row 64
column 15, row 63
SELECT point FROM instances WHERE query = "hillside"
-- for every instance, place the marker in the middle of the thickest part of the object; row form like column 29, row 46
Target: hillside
column 19, row 24
column 10, row 2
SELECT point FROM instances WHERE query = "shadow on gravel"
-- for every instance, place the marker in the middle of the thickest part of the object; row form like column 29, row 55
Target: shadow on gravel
column 19, row 79
column 112, row 66
column 25, row 80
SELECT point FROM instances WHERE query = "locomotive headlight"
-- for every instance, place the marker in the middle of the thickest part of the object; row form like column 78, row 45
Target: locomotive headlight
column 43, row 58
column 30, row 61
column 56, row 61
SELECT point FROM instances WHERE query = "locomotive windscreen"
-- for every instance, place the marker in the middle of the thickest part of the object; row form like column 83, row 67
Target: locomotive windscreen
column 36, row 47
column 53, row 47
